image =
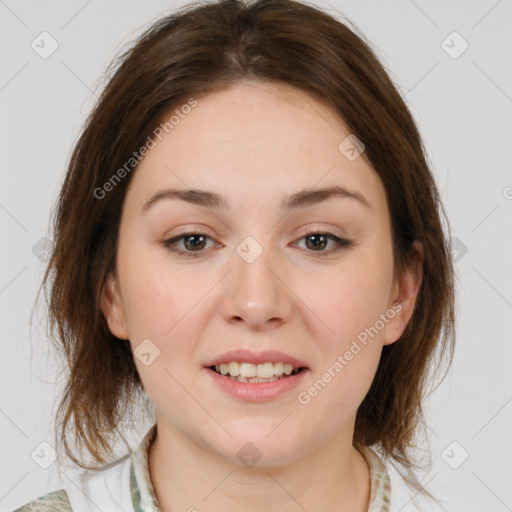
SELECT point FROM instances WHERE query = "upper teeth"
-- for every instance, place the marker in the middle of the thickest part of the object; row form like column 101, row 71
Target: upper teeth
column 248, row 370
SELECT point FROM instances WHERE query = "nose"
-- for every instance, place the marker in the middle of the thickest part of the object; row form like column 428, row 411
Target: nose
column 256, row 291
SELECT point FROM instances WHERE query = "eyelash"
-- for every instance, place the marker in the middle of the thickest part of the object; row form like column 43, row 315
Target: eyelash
column 341, row 243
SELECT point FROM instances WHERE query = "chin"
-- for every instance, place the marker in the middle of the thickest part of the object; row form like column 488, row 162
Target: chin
column 258, row 446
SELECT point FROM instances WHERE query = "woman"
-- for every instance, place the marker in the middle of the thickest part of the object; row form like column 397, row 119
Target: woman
column 249, row 241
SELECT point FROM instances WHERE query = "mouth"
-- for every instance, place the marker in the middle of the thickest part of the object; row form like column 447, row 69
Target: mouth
column 241, row 371
column 256, row 376
column 260, row 382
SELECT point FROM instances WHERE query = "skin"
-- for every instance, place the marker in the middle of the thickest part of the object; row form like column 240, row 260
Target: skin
column 256, row 144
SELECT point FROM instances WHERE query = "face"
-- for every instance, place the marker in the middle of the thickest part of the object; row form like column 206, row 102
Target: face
column 249, row 275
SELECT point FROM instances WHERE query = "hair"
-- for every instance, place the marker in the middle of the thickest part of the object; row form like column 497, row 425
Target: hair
column 205, row 47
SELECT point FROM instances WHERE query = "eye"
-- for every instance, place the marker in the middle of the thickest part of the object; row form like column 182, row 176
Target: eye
column 318, row 241
column 195, row 243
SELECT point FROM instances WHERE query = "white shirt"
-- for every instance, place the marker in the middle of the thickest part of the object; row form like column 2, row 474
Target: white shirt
column 126, row 486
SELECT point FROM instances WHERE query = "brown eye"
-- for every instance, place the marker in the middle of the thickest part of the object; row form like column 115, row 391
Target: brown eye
column 317, row 242
column 193, row 243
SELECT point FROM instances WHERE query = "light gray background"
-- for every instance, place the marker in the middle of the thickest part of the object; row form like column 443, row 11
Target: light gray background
column 463, row 107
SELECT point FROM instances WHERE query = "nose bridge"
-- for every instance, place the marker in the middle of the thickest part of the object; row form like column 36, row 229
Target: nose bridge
column 255, row 293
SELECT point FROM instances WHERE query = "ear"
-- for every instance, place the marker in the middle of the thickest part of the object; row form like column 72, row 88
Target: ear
column 404, row 295
column 112, row 308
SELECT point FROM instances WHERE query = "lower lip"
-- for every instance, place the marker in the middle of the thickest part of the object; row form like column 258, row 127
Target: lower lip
column 256, row 391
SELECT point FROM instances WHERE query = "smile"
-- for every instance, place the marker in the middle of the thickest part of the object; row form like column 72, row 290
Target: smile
column 248, row 372
column 256, row 389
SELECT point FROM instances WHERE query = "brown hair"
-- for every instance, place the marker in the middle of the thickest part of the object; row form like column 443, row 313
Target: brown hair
column 199, row 49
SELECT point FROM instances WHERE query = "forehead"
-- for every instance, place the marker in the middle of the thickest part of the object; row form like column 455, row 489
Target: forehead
column 254, row 141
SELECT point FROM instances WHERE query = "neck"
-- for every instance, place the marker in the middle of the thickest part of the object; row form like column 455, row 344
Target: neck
column 186, row 476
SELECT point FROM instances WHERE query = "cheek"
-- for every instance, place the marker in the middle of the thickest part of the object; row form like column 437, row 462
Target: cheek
column 151, row 306
column 160, row 326
column 154, row 293
column 351, row 300
column 349, row 337
column 163, row 305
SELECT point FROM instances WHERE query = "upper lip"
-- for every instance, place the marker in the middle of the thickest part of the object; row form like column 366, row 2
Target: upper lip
column 247, row 356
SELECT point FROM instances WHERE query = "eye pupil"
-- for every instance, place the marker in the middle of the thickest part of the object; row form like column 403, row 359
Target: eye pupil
column 322, row 243
column 194, row 245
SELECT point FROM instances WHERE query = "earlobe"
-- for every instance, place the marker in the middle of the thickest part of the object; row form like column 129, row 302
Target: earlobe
column 405, row 295
column 112, row 309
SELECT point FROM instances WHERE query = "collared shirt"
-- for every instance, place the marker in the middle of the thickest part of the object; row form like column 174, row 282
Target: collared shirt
column 126, row 486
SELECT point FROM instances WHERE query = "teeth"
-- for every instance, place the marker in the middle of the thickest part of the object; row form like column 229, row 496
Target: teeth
column 248, row 370
column 233, row 368
column 253, row 372
column 288, row 368
column 279, row 368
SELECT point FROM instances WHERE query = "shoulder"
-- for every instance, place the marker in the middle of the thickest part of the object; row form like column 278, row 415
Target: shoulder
column 57, row 501
column 108, row 489
column 113, row 487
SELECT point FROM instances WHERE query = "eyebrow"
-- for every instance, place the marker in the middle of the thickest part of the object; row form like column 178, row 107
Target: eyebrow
column 301, row 199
